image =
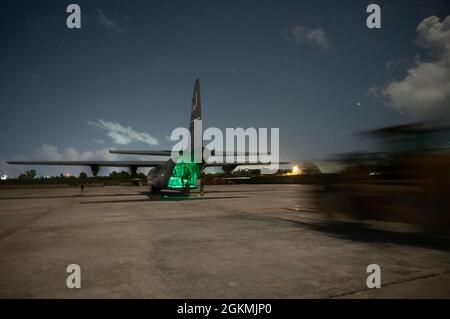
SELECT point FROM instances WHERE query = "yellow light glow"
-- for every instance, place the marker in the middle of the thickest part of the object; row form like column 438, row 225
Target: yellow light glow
column 296, row 170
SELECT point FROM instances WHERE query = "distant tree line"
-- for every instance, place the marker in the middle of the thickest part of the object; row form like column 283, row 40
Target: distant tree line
column 115, row 178
column 123, row 178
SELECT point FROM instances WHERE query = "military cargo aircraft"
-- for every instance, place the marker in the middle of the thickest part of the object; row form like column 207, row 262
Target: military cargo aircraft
column 164, row 175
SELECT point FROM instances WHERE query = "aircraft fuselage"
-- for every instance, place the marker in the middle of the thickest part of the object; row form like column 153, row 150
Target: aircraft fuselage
column 174, row 176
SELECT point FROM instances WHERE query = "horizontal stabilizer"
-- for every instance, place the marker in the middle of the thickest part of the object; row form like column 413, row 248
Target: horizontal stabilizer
column 232, row 153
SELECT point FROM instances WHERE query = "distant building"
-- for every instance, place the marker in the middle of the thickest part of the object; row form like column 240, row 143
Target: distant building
column 4, row 177
column 324, row 167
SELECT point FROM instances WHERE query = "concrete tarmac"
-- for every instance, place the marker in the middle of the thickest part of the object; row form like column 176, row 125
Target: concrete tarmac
column 243, row 241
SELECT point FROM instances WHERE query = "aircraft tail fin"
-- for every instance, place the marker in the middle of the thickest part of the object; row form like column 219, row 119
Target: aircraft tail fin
column 196, row 111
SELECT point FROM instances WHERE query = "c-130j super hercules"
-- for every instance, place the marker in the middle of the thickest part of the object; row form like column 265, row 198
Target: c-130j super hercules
column 165, row 175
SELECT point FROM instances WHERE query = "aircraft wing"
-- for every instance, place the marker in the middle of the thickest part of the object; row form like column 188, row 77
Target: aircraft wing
column 138, row 152
column 243, row 164
column 94, row 165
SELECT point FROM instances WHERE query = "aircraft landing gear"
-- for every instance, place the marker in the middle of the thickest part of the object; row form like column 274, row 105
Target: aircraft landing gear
column 154, row 191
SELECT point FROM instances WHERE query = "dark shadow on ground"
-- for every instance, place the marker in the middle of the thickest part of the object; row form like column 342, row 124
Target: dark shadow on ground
column 167, row 195
column 81, row 195
column 70, row 196
column 165, row 198
column 241, row 191
column 365, row 233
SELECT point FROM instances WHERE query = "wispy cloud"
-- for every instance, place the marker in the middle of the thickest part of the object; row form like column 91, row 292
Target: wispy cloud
column 300, row 34
column 98, row 141
column 374, row 91
column 124, row 135
column 395, row 64
column 107, row 22
column 48, row 152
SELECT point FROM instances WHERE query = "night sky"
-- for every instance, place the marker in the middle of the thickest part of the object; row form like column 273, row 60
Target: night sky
column 125, row 79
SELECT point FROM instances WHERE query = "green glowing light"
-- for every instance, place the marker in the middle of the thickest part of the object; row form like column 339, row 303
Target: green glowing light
column 184, row 174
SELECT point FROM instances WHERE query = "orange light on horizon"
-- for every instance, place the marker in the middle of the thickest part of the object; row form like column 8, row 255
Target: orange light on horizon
column 296, row 170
